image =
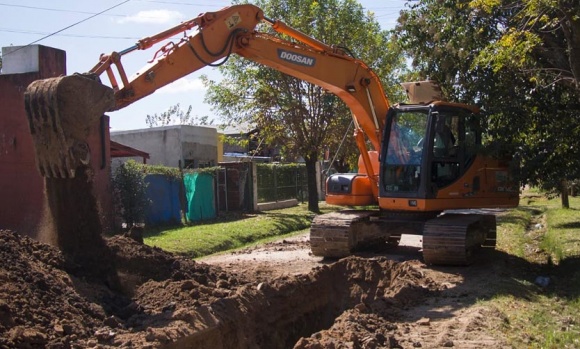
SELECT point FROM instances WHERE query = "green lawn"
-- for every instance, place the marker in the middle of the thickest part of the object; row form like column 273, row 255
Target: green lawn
column 546, row 238
column 231, row 231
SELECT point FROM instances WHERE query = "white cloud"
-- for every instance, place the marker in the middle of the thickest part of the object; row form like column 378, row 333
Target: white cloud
column 154, row 16
column 183, row 85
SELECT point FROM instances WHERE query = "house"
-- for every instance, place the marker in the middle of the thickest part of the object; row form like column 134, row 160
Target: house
column 174, row 146
column 243, row 143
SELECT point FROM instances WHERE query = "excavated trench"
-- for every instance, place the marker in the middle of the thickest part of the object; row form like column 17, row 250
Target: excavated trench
column 278, row 314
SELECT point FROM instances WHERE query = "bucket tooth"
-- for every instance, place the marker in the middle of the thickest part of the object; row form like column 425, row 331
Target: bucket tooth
column 61, row 114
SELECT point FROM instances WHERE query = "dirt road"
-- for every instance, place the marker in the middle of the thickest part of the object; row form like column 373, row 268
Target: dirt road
column 291, row 256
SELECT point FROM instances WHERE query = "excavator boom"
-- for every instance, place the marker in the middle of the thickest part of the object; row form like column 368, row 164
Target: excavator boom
column 220, row 34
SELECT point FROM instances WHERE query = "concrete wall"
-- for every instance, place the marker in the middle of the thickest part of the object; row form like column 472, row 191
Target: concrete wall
column 22, row 201
column 162, row 143
column 168, row 145
column 41, row 61
column 200, row 146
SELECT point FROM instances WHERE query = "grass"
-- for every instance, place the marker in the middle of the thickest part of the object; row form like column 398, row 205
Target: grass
column 563, row 238
column 231, row 231
column 512, row 228
column 546, row 238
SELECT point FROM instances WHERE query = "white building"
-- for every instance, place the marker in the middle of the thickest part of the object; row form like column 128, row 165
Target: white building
column 188, row 146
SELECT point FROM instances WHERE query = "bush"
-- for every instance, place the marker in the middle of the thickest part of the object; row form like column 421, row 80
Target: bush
column 130, row 192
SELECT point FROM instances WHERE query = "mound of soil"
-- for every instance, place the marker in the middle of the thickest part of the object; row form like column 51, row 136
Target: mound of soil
column 161, row 300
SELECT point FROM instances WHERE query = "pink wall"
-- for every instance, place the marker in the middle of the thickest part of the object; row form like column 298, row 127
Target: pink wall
column 21, row 186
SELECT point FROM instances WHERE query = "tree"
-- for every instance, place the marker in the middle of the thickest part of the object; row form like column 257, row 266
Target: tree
column 536, row 121
column 174, row 115
column 539, row 37
column 302, row 117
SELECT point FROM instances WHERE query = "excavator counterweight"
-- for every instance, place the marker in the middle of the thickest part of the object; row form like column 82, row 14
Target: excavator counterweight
column 60, row 114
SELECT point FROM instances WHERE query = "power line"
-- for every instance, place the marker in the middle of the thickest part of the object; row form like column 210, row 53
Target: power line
column 183, row 3
column 68, row 11
column 8, row 30
column 53, row 9
column 70, row 26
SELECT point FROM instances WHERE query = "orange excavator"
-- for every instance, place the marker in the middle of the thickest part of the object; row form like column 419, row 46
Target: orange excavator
column 425, row 158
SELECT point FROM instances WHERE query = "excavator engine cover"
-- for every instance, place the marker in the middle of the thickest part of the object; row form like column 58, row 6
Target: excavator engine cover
column 60, row 114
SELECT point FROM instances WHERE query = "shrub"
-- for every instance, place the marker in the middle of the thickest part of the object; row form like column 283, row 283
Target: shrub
column 130, row 192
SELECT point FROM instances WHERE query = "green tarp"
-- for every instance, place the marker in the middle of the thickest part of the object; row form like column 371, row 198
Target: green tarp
column 200, row 196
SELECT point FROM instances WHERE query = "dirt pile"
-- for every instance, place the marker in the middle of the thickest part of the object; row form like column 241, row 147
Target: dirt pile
column 165, row 301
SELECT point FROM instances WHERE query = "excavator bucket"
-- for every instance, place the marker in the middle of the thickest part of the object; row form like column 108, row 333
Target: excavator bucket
column 61, row 112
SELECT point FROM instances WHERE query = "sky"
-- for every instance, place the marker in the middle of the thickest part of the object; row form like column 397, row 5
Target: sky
column 123, row 22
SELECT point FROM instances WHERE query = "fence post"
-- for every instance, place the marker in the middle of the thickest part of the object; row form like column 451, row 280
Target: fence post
column 254, row 185
column 182, row 195
column 217, row 190
column 275, row 184
column 296, row 174
column 318, row 181
column 225, row 170
column 215, row 183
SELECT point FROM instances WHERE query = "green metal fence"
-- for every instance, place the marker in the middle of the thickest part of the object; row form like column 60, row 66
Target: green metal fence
column 278, row 182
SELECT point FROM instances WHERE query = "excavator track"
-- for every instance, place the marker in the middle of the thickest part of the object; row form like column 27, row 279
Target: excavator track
column 338, row 234
column 452, row 239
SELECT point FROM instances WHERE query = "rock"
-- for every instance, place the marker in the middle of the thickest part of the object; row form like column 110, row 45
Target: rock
column 448, row 344
column 104, row 334
column 113, row 322
column 187, row 285
column 542, row 281
column 222, row 284
column 423, row 322
column 361, row 307
column 136, row 233
column 58, row 329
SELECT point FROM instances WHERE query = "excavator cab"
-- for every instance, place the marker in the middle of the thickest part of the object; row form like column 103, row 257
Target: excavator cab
column 433, row 161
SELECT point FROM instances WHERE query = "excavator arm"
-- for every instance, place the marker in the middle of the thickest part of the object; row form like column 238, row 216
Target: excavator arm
column 59, row 118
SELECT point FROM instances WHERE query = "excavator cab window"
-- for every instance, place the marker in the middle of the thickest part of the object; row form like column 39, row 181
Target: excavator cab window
column 455, row 142
column 446, row 165
column 405, row 137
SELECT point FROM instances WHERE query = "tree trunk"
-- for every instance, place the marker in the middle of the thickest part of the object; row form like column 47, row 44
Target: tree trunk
column 312, row 184
column 564, row 195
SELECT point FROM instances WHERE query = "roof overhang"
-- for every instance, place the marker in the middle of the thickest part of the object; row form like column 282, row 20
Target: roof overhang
column 119, row 150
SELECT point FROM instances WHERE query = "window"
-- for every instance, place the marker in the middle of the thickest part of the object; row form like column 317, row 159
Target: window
column 402, row 168
column 456, row 139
